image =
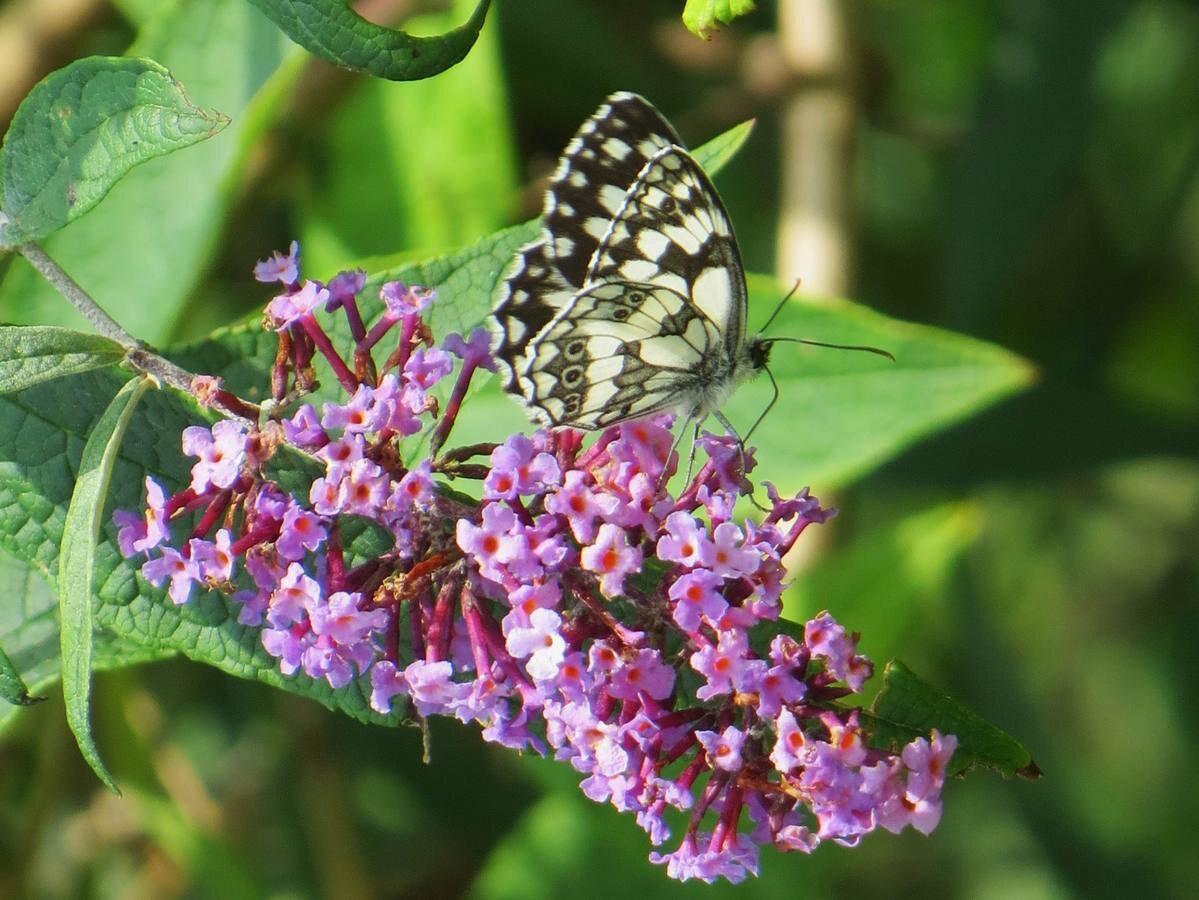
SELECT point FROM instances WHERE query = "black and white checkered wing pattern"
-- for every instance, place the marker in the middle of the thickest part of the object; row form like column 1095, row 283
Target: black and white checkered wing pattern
column 660, row 322
column 620, row 351
column 588, row 187
column 672, row 230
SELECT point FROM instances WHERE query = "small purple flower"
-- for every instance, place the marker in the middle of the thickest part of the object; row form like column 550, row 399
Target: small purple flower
column 213, row 560
column 342, row 453
column 827, row 640
column 432, row 687
column 474, row 351
column 295, row 596
column 182, row 572
column 790, row 747
column 416, row 488
column 341, row 619
column 386, row 682
column 684, row 542
column 517, row 469
column 927, row 764
column 364, row 413
column 140, row 534
column 364, row 490
column 611, row 557
column 644, row 673
column 578, row 503
column 724, row 747
column 344, row 286
column 302, row 531
column 287, row 645
column 402, row 300
column 541, row 643
column 696, row 596
column 287, row 309
column 776, row 687
column 280, row 267
column 427, row 366
column 722, row 664
column 489, row 544
column 221, row 451
column 726, row 557
column 304, row 429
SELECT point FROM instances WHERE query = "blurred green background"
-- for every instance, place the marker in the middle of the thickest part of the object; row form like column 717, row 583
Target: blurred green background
column 1024, row 171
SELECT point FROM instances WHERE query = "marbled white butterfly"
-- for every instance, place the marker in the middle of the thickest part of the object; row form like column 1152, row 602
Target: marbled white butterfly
column 633, row 299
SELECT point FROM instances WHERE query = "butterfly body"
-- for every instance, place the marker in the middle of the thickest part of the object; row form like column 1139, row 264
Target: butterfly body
column 632, row 301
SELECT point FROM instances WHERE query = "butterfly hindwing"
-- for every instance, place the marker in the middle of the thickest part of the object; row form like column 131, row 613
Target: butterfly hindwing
column 619, row 351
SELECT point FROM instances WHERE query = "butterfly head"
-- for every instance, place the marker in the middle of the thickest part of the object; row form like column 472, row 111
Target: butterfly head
column 757, row 352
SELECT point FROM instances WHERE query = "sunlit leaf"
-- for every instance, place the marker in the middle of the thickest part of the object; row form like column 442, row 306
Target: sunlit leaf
column 703, row 16
column 31, row 354
column 331, row 30
column 82, row 128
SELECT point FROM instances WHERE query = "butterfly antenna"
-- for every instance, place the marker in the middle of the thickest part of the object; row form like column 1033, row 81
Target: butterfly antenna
column 877, row 351
column 778, row 309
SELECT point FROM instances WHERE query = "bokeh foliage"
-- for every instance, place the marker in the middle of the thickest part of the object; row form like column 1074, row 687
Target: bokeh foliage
column 1024, row 172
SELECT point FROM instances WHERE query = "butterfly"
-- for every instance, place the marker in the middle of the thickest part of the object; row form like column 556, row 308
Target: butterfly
column 632, row 300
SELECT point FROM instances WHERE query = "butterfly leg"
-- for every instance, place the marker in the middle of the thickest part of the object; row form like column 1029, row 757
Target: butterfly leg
column 732, row 432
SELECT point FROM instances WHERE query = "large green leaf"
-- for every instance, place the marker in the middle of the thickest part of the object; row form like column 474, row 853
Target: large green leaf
column 81, row 129
column 334, row 32
column 141, row 251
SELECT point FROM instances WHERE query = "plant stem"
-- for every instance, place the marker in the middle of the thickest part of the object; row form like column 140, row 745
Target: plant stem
column 139, row 356
column 69, row 288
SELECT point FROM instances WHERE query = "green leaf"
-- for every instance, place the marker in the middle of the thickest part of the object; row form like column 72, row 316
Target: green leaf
column 703, row 16
column 77, row 566
column 908, row 708
column 30, row 354
column 715, row 154
column 12, row 687
column 83, row 127
column 164, row 220
column 332, row 31
column 841, row 413
column 29, row 634
column 391, row 189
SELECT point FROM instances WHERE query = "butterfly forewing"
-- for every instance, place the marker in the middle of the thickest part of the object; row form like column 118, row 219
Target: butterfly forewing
column 672, row 230
column 592, row 179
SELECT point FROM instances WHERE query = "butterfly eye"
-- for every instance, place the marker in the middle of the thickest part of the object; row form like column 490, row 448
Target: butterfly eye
column 636, row 298
column 668, row 205
column 620, row 314
column 575, row 349
column 572, row 375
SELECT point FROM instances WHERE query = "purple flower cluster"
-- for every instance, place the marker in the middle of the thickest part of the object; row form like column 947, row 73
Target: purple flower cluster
column 579, row 608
